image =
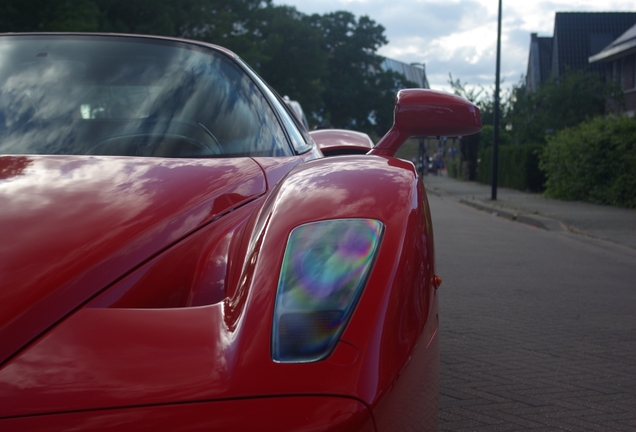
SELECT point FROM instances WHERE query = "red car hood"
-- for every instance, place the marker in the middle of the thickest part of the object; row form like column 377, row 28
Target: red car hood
column 70, row 226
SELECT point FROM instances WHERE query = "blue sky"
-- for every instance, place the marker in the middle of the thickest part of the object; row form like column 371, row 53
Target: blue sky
column 459, row 36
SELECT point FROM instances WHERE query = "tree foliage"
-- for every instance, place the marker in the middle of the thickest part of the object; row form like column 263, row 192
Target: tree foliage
column 562, row 138
column 531, row 118
column 326, row 62
column 290, row 55
column 470, row 145
column 480, row 96
column 47, row 15
column 356, row 88
column 559, row 103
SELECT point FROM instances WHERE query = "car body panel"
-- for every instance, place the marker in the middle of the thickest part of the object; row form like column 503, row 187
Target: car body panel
column 333, row 142
column 97, row 357
column 284, row 414
column 92, row 219
column 277, row 168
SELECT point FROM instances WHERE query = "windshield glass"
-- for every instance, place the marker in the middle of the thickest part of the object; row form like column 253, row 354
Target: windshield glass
column 108, row 95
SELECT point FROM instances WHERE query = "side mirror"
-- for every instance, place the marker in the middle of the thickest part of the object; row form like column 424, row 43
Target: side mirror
column 423, row 112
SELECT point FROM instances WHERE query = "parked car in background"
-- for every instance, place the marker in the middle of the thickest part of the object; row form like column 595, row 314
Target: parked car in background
column 176, row 253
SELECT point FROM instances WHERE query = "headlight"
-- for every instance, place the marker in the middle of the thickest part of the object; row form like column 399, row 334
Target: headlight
column 325, row 267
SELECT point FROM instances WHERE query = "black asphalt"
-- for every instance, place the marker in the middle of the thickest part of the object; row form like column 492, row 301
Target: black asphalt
column 538, row 321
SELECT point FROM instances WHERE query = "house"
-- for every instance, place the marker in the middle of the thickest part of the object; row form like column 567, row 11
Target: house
column 577, row 36
column 413, row 72
column 619, row 61
column 539, row 61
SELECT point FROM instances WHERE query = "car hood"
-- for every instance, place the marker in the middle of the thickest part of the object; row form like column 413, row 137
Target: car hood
column 72, row 225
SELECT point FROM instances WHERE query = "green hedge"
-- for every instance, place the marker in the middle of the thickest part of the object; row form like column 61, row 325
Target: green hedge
column 454, row 169
column 594, row 162
column 518, row 167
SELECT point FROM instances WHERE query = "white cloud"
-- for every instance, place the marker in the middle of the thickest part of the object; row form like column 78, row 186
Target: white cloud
column 459, row 36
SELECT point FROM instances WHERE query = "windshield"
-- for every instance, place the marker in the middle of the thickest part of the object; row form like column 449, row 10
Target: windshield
column 106, row 95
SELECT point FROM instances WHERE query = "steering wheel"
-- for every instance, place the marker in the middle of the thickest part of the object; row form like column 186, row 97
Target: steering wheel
column 160, row 138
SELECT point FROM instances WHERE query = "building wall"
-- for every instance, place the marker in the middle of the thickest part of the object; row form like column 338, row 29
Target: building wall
column 539, row 61
column 414, row 73
column 628, row 64
column 623, row 72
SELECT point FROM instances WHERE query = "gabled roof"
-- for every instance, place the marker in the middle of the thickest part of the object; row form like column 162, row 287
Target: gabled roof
column 624, row 45
column 579, row 35
column 539, row 61
column 545, row 55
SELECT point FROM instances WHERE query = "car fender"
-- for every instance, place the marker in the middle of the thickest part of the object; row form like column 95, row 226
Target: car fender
column 398, row 309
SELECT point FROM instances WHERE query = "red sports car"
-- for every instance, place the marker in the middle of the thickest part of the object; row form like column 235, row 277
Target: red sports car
column 176, row 252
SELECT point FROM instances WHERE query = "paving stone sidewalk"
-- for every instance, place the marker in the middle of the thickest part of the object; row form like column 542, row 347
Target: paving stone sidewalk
column 613, row 224
column 537, row 326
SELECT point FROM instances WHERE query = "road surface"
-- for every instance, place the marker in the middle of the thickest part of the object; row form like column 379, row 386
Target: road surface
column 538, row 328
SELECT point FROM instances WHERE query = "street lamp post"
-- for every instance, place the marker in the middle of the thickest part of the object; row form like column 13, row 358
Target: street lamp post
column 495, row 144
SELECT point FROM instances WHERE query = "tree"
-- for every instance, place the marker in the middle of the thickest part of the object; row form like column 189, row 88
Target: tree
column 477, row 95
column 47, row 15
column 292, row 59
column 216, row 21
column 470, row 145
column 559, row 103
column 355, row 87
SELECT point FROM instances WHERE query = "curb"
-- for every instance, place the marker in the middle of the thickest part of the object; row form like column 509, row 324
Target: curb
column 534, row 221
column 518, row 210
column 433, row 192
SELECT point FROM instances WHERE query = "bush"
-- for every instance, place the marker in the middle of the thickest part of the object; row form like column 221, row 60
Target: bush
column 487, row 136
column 454, row 168
column 518, row 167
column 594, row 162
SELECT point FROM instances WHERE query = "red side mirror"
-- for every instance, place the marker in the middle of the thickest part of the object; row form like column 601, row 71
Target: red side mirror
column 423, row 112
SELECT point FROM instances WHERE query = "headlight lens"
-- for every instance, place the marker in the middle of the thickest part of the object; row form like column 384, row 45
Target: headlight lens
column 325, row 267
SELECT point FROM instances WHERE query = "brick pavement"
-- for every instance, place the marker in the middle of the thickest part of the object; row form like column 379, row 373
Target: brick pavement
column 544, row 341
column 614, row 224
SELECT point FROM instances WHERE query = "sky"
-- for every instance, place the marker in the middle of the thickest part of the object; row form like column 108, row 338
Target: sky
column 460, row 36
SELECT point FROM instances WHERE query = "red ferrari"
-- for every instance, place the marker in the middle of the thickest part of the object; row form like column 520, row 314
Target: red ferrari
column 178, row 253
